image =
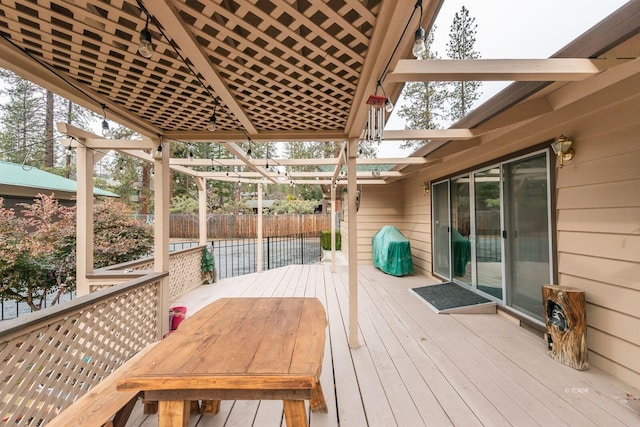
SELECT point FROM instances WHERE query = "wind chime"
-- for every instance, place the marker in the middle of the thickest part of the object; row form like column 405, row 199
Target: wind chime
column 375, row 118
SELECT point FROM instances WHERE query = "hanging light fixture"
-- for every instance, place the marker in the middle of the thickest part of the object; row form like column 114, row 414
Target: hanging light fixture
column 106, row 132
column 145, row 49
column 157, row 154
column 211, row 126
column 419, row 44
column 249, row 150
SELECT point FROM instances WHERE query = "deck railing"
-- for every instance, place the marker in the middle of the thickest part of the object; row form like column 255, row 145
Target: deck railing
column 184, row 267
column 52, row 357
column 236, row 257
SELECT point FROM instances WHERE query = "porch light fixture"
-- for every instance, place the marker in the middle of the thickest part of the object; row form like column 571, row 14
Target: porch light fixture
column 419, row 45
column 562, row 148
column 106, row 132
column 425, row 187
column 145, row 49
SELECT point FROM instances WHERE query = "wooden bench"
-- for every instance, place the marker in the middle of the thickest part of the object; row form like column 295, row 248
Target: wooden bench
column 103, row 405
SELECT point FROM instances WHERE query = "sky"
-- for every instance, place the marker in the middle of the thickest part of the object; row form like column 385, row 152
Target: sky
column 512, row 29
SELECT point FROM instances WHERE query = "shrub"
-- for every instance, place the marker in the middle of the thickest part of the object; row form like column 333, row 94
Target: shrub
column 325, row 240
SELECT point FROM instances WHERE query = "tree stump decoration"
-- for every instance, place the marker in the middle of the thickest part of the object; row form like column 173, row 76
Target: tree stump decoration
column 565, row 319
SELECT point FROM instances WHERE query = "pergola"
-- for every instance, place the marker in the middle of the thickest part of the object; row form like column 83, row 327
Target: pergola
column 269, row 70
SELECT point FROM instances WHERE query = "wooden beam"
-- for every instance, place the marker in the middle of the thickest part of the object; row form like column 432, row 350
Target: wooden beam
column 553, row 69
column 262, row 136
column 428, row 134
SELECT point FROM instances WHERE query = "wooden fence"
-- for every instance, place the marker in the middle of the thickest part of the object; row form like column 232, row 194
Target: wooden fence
column 183, row 226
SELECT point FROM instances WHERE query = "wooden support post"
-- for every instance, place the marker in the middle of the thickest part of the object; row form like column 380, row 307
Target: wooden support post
column 333, row 229
column 259, row 232
column 566, row 321
column 162, row 194
column 352, row 250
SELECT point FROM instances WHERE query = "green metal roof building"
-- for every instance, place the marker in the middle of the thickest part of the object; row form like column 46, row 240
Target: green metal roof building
column 20, row 184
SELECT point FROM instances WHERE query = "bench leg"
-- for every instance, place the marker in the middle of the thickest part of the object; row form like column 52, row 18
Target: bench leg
column 173, row 413
column 210, row 406
column 295, row 413
column 317, row 399
column 150, row 406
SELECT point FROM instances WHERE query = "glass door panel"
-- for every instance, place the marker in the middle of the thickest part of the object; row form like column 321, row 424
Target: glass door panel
column 527, row 233
column 461, row 229
column 441, row 227
column 488, row 231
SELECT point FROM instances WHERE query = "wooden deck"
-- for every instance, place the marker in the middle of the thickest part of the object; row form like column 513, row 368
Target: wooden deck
column 415, row 367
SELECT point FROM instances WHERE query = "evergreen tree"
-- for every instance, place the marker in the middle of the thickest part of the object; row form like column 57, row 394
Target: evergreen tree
column 22, row 122
column 426, row 101
column 462, row 38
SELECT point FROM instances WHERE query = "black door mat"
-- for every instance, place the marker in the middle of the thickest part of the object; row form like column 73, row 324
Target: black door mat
column 452, row 298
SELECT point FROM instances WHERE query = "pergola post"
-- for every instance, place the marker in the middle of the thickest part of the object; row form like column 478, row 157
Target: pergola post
column 259, row 231
column 162, row 196
column 84, row 218
column 202, row 210
column 333, row 229
column 352, row 221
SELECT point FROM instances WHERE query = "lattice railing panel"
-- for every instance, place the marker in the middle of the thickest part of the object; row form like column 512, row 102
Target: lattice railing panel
column 185, row 272
column 48, row 364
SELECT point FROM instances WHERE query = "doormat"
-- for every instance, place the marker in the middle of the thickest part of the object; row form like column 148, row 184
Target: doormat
column 452, row 298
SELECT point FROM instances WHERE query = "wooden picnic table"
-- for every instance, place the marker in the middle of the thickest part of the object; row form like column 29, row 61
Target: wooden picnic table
column 237, row 349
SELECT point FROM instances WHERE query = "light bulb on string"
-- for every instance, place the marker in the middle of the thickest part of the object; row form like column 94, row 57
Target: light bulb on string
column 145, row 49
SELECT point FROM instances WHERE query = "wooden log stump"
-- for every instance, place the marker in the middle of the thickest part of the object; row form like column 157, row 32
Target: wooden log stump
column 565, row 319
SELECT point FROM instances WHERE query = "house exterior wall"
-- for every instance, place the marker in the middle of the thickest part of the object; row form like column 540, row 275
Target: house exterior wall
column 379, row 205
column 597, row 216
column 417, row 223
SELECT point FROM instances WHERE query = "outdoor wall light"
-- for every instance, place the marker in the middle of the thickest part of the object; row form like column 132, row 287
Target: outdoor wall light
column 562, row 147
column 425, row 187
column 145, row 49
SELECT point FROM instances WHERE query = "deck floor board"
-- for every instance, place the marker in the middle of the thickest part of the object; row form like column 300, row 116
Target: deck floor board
column 415, row 367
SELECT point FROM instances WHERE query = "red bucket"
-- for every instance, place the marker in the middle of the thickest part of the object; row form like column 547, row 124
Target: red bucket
column 179, row 314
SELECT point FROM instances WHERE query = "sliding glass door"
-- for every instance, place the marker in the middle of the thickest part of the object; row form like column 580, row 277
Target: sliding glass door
column 461, row 229
column 491, row 231
column 527, row 242
column 441, row 227
column 488, row 247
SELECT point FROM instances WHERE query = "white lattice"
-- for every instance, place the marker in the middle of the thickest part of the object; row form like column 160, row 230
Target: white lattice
column 50, row 363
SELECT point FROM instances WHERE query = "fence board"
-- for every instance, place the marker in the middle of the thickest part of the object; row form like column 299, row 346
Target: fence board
column 184, row 226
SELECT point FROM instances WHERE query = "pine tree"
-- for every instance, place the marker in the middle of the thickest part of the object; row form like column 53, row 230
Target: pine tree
column 462, row 38
column 22, row 122
column 425, row 107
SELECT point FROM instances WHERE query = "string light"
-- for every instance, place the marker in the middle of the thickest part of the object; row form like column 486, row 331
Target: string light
column 146, row 47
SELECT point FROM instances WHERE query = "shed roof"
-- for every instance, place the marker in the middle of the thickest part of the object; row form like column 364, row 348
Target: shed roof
column 19, row 180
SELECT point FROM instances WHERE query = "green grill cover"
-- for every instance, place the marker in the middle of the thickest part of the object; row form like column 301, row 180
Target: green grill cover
column 392, row 252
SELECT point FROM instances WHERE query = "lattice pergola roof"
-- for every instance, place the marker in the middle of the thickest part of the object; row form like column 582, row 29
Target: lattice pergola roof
column 277, row 68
